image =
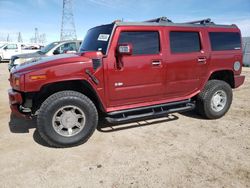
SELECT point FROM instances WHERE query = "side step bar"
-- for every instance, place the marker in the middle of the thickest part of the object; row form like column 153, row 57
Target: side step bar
column 149, row 112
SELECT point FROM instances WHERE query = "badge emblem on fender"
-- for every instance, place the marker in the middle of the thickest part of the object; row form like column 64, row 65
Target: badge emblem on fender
column 118, row 84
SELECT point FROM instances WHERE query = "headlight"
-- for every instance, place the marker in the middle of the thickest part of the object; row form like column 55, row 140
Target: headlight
column 17, row 81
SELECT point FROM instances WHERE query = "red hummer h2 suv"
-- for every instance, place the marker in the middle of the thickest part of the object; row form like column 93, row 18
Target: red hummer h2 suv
column 128, row 71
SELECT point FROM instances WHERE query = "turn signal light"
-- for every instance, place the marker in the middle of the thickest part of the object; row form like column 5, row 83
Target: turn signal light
column 17, row 82
column 38, row 77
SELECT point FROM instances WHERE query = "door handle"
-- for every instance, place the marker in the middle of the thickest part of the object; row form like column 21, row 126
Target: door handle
column 156, row 63
column 202, row 60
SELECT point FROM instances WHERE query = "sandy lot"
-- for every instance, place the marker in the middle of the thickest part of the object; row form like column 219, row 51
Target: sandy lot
column 179, row 151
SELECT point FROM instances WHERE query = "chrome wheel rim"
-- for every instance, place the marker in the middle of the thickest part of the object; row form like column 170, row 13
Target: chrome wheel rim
column 219, row 100
column 68, row 121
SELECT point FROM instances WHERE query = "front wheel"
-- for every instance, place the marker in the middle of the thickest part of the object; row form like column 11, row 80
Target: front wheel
column 66, row 119
column 215, row 99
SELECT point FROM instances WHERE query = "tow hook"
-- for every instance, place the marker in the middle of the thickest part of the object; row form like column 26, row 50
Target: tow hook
column 24, row 109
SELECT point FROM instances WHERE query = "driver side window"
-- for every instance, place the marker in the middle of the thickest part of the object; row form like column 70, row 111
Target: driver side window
column 143, row 42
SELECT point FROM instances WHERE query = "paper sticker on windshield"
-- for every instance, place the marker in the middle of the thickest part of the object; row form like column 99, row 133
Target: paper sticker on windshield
column 103, row 37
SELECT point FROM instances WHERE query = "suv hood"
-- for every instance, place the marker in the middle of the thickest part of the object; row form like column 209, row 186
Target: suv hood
column 45, row 62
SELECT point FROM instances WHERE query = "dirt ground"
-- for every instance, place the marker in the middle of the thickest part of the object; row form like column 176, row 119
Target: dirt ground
column 179, row 151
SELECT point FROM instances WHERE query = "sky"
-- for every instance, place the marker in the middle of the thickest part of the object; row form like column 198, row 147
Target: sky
column 46, row 15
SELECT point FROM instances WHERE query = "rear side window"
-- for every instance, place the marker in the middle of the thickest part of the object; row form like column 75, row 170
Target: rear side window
column 184, row 42
column 225, row 41
column 143, row 42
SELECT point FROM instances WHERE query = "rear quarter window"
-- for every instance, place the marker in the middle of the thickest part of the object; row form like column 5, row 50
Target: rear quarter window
column 221, row 41
column 184, row 42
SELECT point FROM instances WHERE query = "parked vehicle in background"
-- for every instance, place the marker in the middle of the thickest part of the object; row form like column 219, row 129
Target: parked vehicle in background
column 54, row 48
column 1, row 44
column 9, row 49
column 127, row 72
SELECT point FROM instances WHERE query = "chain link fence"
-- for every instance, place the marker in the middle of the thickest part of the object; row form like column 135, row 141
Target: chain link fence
column 246, row 54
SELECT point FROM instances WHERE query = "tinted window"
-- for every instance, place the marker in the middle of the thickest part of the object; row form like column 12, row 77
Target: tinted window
column 225, row 41
column 184, row 42
column 97, row 39
column 142, row 42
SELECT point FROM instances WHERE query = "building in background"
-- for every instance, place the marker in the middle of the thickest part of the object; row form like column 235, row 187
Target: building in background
column 246, row 51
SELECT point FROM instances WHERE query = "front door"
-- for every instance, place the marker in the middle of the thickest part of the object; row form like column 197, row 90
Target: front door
column 141, row 75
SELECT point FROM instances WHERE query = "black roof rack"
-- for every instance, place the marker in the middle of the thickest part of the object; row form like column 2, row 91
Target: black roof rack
column 204, row 21
column 158, row 20
column 165, row 19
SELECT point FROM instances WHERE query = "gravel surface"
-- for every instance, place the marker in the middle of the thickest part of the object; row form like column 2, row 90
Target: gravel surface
column 181, row 150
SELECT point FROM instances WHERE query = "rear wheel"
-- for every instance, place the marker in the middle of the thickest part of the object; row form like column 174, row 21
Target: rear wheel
column 66, row 119
column 215, row 99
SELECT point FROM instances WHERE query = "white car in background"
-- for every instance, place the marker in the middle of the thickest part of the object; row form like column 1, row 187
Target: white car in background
column 54, row 48
column 9, row 49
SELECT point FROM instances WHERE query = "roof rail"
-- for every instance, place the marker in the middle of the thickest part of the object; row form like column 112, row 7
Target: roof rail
column 158, row 20
column 204, row 21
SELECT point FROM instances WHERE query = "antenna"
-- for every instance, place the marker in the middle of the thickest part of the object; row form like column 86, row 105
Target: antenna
column 68, row 30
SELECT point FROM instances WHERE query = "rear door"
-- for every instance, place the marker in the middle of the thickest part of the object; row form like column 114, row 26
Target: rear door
column 187, row 61
column 141, row 77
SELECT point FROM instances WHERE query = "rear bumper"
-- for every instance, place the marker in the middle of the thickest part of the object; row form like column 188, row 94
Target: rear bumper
column 238, row 80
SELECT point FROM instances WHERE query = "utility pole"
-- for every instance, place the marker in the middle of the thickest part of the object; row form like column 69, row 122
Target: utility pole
column 8, row 38
column 36, row 36
column 68, row 30
column 19, row 39
column 42, row 38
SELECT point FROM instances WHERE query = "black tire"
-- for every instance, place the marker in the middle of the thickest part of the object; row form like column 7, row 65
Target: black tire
column 204, row 99
column 49, row 109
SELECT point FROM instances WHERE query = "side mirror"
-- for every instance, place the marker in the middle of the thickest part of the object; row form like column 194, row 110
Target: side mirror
column 124, row 49
column 6, row 47
column 56, row 52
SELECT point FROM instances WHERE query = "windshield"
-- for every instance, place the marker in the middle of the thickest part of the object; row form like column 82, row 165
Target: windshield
column 1, row 45
column 97, row 39
column 47, row 48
